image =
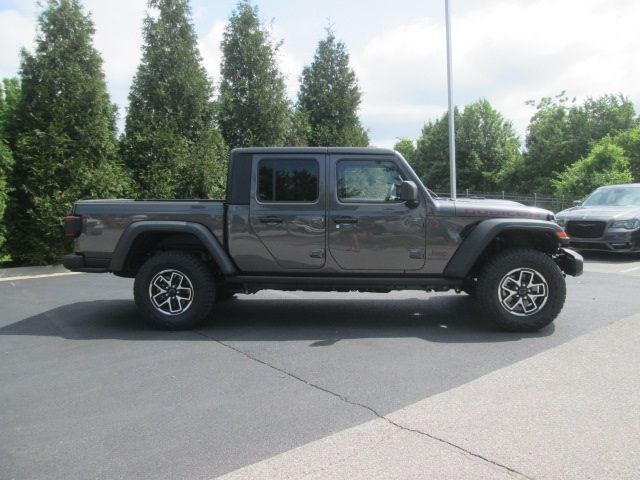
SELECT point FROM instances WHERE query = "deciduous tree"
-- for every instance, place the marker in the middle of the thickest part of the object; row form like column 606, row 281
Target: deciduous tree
column 485, row 143
column 562, row 131
column 606, row 164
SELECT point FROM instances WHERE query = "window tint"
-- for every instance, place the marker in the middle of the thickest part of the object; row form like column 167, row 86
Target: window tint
column 294, row 180
column 368, row 181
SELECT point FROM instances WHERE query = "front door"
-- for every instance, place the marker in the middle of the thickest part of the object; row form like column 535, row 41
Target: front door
column 288, row 208
column 369, row 227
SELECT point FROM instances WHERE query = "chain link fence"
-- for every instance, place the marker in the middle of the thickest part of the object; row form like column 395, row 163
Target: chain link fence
column 549, row 202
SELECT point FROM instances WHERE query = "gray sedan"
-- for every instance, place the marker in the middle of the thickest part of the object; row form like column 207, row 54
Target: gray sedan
column 608, row 219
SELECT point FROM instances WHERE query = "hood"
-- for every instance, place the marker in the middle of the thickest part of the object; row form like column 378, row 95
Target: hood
column 472, row 207
column 613, row 212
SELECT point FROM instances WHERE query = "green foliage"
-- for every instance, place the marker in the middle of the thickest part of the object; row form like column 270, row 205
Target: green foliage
column 63, row 134
column 485, row 144
column 606, row 164
column 253, row 107
column 6, row 163
column 298, row 130
column 330, row 96
column 407, row 148
column 629, row 141
column 561, row 132
column 170, row 141
column 9, row 94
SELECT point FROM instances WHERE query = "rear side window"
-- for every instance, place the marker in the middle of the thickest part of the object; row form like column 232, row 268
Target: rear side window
column 290, row 180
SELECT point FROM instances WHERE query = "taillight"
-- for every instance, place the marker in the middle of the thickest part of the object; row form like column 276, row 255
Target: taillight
column 72, row 225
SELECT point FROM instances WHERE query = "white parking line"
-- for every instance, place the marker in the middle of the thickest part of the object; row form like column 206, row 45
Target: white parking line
column 630, row 270
column 44, row 275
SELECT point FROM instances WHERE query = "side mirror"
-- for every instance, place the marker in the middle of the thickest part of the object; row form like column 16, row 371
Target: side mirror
column 577, row 203
column 408, row 192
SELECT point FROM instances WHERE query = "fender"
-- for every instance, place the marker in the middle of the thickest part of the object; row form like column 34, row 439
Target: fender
column 201, row 232
column 480, row 237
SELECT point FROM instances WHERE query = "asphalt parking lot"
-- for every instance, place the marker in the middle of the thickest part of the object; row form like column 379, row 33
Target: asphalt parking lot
column 88, row 391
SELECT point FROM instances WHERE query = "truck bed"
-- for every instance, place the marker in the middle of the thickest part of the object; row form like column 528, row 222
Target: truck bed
column 104, row 221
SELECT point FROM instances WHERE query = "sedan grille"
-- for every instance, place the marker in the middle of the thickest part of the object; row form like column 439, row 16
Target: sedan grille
column 585, row 229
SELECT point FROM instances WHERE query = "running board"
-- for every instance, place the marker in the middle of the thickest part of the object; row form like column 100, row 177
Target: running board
column 355, row 281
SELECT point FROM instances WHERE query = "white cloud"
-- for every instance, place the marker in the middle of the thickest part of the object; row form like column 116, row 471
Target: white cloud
column 209, row 46
column 508, row 52
column 17, row 30
column 118, row 37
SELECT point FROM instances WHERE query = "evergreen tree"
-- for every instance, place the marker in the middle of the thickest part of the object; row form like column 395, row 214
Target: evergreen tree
column 9, row 91
column 65, row 143
column 170, row 141
column 298, row 129
column 330, row 96
column 254, row 110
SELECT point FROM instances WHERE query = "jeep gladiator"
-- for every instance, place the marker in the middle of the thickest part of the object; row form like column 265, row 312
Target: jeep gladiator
column 325, row 219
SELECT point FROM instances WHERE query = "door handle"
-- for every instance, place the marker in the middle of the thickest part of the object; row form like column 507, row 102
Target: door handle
column 345, row 220
column 270, row 219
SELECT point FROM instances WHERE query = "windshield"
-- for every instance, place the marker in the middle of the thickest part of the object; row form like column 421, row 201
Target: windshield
column 621, row 196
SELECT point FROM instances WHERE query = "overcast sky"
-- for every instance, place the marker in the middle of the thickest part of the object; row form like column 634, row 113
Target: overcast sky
column 508, row 51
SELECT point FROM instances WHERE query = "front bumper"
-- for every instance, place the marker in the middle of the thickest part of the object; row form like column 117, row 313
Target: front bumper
column 611, row 241
column 570, row 262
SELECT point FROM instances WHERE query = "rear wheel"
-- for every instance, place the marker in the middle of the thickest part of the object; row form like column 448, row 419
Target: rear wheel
column 174, row 290
column 224, row 295
column 522, row 289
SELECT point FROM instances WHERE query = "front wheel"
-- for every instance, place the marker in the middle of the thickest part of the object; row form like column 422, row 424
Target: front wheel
column 174, row 290
column 523, row 290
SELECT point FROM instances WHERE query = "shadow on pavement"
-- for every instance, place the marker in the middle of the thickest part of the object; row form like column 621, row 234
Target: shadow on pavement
column 609, row 257
column 322, row 322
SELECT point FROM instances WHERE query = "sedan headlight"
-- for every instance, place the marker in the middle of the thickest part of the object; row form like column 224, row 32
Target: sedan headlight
column 631, row 224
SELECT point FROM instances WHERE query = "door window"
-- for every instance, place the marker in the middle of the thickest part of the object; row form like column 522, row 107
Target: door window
column 368, row 181
column 290, row 180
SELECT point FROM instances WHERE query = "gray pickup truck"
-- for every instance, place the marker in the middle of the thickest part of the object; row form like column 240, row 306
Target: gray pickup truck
column 325, row 219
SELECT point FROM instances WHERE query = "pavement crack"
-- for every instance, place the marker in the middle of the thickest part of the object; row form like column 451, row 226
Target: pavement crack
column 347, row 400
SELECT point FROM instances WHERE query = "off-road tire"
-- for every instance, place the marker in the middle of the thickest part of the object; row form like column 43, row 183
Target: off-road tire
column 224, row 295
column 199, row 280
column 496, row 269
column 470, row 287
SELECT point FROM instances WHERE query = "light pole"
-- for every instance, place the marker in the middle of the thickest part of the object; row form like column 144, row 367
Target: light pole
column 452, row 131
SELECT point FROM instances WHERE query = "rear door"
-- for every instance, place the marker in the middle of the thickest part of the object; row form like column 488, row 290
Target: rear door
column 288, row 208
column 369, row 227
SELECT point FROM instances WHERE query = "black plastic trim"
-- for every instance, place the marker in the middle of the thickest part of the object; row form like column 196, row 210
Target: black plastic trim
column 78, row 263
column 239, row 178
column 483, row 234
column 570, row 262
column 360, row 281
column 207, row 238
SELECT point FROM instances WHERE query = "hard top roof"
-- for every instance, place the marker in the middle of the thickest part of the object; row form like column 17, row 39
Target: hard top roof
column 351, row 150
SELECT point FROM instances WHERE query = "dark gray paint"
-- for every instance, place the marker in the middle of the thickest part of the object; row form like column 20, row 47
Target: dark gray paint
column 297, row 239
column 389, row 238
column 386, row 237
